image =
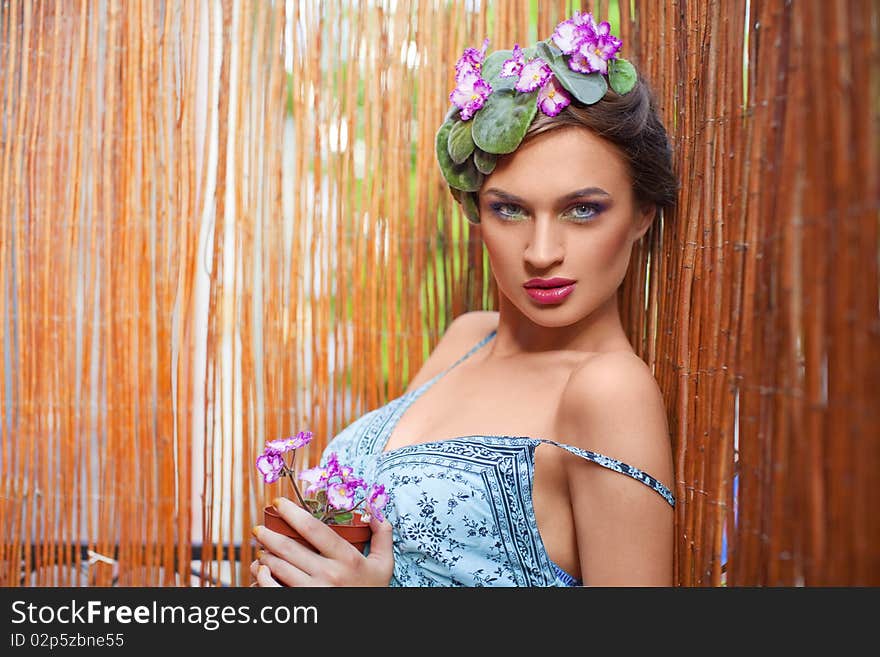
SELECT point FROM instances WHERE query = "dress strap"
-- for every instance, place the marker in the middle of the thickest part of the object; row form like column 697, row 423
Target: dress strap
column 463, row 358
column 617, row 466
column 475, row 347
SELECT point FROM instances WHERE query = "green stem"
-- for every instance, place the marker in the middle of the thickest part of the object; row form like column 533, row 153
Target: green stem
column 292, row 476
column 326, row 514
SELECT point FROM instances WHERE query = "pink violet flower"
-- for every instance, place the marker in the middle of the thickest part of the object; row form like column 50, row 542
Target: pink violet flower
column 513, row 66
column 333, row 489
column 471, row 59
column 341, row 496
column 316, row 478
column 333, row 467
column 590, row 45
column 553, row 98
column 282, row 445
column 533, row 75
column 271, row 465
column 471, row 90
column 571, row 33
column 470, row 93
column 580, row 64
column 598, row 50
column 376, row 501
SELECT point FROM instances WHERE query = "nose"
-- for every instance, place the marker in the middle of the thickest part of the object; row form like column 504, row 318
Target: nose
column 545, row 247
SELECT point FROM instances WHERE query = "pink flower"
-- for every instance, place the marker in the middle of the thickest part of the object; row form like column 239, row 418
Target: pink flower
column 341, row 496
column 571, row 33
column 589, row 45
column 471, row 60
column 533, row 75
column 271, row 465
column 333, row 489
column 552, row 98
column 471, row 90
column 513, row 66
column 375, row 503
column 282, row 445
column 470, row 93
column 579, row 63
column 599, row 49
column 316, row 478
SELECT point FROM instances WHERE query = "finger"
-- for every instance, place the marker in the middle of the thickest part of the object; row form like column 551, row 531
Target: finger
column 265, row 579
column 294, row 552
column 324, row 539
column 381, row 542
column 285, row 572
column 255, row 568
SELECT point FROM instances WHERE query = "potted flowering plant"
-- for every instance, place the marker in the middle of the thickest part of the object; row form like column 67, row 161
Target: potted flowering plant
column 333, row 494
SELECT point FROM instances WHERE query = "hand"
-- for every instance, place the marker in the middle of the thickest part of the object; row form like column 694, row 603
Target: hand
column 336, row 562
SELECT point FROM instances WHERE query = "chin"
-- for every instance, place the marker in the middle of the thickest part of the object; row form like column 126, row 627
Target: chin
column 558, row 320
column 554, row 316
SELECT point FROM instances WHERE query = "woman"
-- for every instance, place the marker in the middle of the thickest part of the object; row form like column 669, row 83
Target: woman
column 520, row 453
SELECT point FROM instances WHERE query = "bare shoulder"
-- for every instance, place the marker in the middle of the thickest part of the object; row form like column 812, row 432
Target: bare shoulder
column 624, row 529
column 474, row 324
column 463, row 332
column 613, row 405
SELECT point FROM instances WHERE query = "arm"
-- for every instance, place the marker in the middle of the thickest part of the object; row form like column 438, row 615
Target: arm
column 624, row 530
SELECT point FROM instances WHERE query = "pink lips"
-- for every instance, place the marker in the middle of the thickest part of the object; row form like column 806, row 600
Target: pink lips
column 549, row 290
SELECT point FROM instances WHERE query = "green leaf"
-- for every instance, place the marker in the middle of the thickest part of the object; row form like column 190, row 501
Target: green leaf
column 343, row 518
column 501, row 124
column 492, row 69
column 460, row 144
column 468, row 205
column 484, row 161
column 622, row 75
column 552, row 55
column 588, row 88
column 462, row 176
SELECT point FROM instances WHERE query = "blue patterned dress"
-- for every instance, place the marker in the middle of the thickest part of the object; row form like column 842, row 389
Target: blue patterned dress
column 462, row 507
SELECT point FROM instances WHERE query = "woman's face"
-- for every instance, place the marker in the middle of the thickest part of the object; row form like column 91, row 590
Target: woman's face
column 561, row 206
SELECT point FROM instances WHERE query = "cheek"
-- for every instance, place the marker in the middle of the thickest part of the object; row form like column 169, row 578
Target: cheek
column 598, row 253
column 503, row 258
column 506, row 263
column 614, row 248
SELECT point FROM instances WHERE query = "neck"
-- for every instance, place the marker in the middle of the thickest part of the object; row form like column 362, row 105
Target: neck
column 519, row 335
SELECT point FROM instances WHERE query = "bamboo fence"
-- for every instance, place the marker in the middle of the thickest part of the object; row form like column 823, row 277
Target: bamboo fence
column 222, row 222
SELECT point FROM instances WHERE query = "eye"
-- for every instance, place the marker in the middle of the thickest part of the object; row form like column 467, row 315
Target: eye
column 584, row 211
column 507, row 211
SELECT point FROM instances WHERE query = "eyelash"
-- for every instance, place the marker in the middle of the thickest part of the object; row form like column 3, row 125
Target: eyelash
column 502, row 211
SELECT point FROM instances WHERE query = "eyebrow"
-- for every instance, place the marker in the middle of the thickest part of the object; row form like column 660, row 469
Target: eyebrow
column 513, row 198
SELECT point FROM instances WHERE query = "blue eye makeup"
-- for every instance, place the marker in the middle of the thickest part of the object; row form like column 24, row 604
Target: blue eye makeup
column 579, row 212
column 506, row 211
column 584, row 212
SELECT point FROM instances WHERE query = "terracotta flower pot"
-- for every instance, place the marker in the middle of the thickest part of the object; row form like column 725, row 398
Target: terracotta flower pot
column 357, row 533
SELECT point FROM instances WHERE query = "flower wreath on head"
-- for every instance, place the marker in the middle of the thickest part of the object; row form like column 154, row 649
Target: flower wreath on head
column 496, row 97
